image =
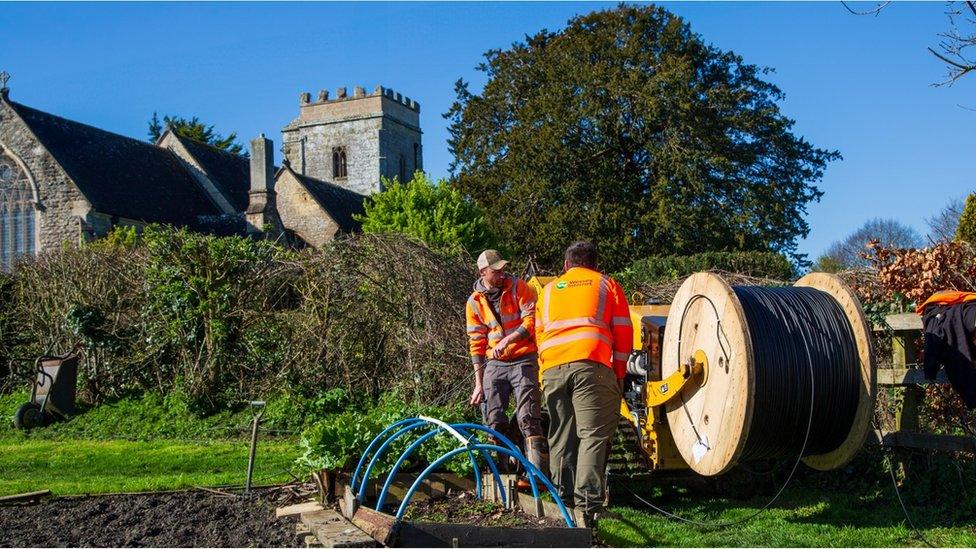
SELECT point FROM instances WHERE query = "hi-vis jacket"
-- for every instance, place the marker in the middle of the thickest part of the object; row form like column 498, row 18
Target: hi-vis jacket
column 946, row 297
column 516, row 314
column 583, row 315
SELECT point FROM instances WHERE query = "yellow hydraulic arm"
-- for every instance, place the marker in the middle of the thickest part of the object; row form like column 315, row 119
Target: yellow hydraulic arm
column 660, row 392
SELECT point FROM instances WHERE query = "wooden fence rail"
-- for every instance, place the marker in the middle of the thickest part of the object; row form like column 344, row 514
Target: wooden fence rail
column 905, row 374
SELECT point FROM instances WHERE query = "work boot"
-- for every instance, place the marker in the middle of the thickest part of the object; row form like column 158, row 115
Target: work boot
column 501, row 460
column 537, row 450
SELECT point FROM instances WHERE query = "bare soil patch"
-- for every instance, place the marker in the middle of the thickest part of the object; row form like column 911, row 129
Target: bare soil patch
column 464, row 508
column 183, row 519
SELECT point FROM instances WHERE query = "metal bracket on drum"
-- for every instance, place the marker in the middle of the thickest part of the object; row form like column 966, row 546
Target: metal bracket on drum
column 662, row 392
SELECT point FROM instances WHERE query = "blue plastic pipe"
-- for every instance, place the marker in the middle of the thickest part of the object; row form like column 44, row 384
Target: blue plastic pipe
column 375, row 441
column 382, row 449
column 529, row 467
column 410, row 450
column 511, row 446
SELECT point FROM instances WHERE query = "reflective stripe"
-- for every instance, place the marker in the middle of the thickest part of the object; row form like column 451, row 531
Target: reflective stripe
column 576, row 323
column 476, row 337
column 601, row 306
column 480, row 328
column 526, row 314
column 621, row 321
column 573, row 337
column 623, row 357
column 508, row 318
column 495, row 336
column 473, row 303
column 547, row 302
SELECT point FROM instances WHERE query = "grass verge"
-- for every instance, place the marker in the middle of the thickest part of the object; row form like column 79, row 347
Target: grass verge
column 133, row 445
column 104, row 466
column 805, row 516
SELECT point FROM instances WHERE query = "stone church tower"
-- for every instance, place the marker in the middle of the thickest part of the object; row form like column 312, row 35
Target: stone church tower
column 351, row 141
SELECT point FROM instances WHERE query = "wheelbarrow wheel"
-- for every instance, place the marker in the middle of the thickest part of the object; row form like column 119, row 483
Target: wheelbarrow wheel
column 28, row 416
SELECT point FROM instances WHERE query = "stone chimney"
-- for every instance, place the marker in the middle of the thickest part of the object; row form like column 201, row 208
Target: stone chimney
column 262, row 213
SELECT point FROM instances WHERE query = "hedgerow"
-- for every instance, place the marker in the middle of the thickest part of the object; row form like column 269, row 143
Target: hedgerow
column 226, row 319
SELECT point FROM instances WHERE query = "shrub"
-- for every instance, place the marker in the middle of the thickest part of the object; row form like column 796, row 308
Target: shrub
column 653, row 270
column 966, row 230
column 434, row 212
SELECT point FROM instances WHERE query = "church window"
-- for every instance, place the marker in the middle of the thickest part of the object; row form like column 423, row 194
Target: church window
column 17, row 216
column 339, row 167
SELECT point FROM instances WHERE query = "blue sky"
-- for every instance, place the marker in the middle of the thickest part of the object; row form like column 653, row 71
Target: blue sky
column 861, row 85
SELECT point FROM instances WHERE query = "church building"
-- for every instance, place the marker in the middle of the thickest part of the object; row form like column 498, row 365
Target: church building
column 62, row 181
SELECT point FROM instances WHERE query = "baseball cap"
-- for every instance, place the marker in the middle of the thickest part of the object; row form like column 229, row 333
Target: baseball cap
column 492, row 259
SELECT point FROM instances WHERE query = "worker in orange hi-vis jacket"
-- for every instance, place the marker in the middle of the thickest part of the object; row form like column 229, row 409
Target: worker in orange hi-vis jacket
column 584, row 336
column 501, row 332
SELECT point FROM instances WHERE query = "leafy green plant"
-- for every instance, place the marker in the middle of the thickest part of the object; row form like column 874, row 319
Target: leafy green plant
column 434, row 212
column 337, row 441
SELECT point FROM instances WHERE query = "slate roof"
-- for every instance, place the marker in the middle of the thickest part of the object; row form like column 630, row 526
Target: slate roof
column 230, row 172
column 340, row 203
column 119, row 175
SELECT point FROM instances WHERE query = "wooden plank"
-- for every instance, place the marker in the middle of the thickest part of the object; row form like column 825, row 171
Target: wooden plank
column 924, row 441
column 898, row 377
column 435, row 534
column 380, row 526
column 906, row 417
column 904, row 322
column 333, row 530
column 903, row 350
column 25, row 496
column 298, row 509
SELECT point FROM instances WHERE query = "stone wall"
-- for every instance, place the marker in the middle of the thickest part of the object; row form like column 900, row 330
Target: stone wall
column 63, row 212
column 376, row 129
column 301, row 213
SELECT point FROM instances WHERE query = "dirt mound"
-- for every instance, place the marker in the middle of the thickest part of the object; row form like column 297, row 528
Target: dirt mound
column 185, row 519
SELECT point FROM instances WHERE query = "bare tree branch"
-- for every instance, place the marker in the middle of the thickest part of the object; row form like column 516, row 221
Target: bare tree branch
column 954, row 44
column 877, row 9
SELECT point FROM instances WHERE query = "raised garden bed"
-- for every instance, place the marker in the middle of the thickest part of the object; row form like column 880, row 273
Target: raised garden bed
column 446, row 513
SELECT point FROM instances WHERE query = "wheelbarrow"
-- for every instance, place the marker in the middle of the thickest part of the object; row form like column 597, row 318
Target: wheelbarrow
column 53, row 391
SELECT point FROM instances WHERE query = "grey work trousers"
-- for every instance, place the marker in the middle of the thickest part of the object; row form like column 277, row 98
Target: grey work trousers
column 500, row 380
column 583, row 400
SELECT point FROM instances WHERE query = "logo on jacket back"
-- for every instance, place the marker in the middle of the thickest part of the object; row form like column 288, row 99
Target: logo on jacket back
column 563, row 284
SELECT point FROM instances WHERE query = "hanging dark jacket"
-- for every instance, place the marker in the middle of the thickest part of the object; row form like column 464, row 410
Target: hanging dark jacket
column 948, row 331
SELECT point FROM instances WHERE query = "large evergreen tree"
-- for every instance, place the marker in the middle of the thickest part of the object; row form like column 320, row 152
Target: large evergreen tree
column 626, row 128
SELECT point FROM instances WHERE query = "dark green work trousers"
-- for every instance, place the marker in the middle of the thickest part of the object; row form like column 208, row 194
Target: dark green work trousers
column 583, row 400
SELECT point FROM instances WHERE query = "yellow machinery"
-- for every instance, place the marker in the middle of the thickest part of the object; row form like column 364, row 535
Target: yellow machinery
column 645, row 392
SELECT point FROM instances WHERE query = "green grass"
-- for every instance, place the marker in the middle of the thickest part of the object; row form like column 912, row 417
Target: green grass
column 105, row 466
column 805, row 516
column 141, row 444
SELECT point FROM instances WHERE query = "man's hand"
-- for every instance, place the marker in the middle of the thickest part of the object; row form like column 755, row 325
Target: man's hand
column 499, row 348
column 478, row 395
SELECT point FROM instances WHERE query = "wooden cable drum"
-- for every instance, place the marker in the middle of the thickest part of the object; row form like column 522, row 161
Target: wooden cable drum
column 788, row 371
